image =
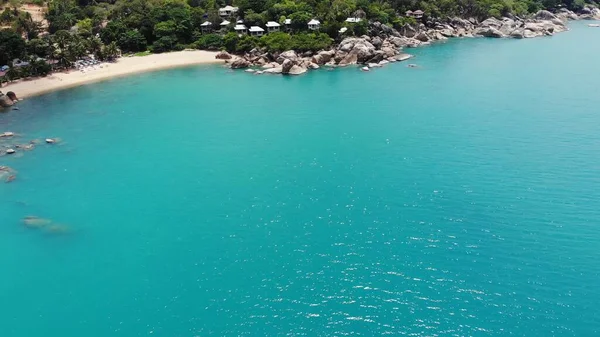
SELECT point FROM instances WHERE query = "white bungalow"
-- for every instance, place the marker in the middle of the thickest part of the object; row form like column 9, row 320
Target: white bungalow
column 228, row 11
column 206, row 26
column 224, row 24
column 314, row 24
column 240, row 29
column 288, row 24
column 353, row 20
column 256, row 31
column 273, row 26
column 239, row 22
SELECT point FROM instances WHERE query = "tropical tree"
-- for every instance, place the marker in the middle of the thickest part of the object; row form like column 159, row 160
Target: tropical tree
column 12, row 46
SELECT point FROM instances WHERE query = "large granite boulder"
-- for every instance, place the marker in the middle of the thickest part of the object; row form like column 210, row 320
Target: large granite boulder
column 323, row 57
column 286, row 65
column 223, row 56
column 289, row 55
column 377, row 42
column 489, row 32
column 517, row 34
column 297, row 70
column 491, row 22
column 423, row 37
column 544, row 15
column 363, row 49
column 240, row 63
column 408, row 31
column 5, row 101
column 398, row 42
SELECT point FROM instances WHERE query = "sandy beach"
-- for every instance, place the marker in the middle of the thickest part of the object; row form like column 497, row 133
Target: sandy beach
column 122, row 67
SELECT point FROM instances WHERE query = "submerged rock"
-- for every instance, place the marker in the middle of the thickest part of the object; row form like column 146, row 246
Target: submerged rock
column 33, row 221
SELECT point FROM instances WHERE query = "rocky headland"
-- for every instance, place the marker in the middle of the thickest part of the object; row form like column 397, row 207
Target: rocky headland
column 384, row 44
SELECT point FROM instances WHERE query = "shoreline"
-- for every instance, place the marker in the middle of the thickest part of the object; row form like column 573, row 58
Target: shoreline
column 124, row 66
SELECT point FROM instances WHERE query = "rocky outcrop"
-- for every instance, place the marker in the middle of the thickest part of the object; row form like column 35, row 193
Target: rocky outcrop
column 384, row 44
column 240, row 63
column 323, row 57
column 223, row 56
column 5, row 101
column 286, row 66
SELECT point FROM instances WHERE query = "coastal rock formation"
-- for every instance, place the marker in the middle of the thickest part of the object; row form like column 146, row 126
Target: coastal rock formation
column 286, row 66
column 240, row 63
column 5, row 101
column 384, row 44
column 223, row 56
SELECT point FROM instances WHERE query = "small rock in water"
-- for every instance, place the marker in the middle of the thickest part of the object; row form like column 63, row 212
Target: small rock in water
column 412, row 65
column 33, row 221
column 10, row 151
column 365, row 69
column 50, row 140
column 10, row 178
column 7, row 134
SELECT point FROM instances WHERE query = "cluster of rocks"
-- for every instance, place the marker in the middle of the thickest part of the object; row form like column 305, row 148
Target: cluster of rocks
column 542, row 23
column 9, row 144
column 384, row 44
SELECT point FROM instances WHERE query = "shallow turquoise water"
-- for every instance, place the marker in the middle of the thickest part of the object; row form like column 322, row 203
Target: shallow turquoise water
column 457, row 199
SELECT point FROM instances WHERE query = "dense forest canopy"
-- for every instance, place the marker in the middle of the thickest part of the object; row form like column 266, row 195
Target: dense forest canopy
column 75, row 28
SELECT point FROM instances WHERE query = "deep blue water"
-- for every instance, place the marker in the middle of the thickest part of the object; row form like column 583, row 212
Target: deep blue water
column 461, row 198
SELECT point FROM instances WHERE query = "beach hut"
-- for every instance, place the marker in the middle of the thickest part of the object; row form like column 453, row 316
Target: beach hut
column 409, row 13
column 256, row 31
column 206, row 26
column 353, row 20
column 314, row 24
column 228, row 11
column 272, row 26
column 240, row 29
column 418, row 14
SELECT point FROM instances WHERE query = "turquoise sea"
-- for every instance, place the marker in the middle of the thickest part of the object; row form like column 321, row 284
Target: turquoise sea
column 460, row 198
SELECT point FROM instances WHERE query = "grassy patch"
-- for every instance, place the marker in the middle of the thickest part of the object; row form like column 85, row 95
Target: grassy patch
column 142, row 53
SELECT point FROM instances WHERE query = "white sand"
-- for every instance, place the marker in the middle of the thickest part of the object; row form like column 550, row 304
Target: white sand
column 122, row 67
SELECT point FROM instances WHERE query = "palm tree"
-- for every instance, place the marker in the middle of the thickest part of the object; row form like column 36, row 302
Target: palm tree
column 111, row 51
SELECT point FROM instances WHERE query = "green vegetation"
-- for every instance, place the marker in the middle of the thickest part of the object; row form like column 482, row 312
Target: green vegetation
column 77, row 28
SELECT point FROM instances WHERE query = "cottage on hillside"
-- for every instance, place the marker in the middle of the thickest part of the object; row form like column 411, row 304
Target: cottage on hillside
column 228, row 11
column 256, row 31
column 288, row 24
column 240, row 29
column 314, row 24
column 272, row 26
column 353, row 20
column 206, row 27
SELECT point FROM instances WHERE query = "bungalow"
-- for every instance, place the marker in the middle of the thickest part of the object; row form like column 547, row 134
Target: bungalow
column 272, row 26
column 206, row 27
column 288, row 24
column 228, row 11
column 240, row 29
column 353, row 20
column 314, row 24
column 224, row 24
column 256, row 31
